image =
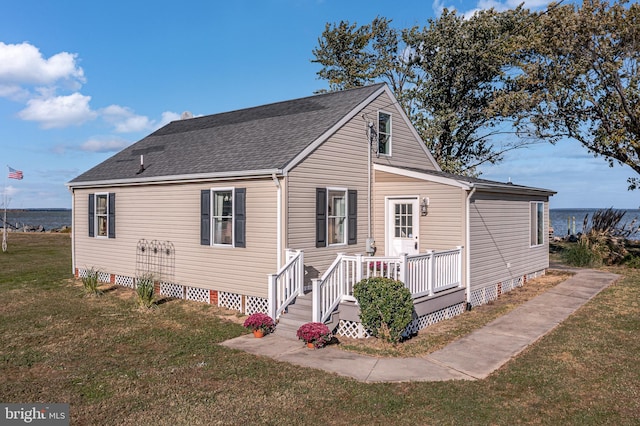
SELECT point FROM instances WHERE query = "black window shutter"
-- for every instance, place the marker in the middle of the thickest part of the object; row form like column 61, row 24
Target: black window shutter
column 239, row 205
column 205, row 218
column 92, row 211
column 321, row 217
column 111, row 216
column 352, row 211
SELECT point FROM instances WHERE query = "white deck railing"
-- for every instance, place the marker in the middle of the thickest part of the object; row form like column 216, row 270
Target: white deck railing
column 423, row 274
column 287, row 283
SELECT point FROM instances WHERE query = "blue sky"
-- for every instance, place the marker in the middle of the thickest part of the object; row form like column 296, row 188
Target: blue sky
column 80, row 80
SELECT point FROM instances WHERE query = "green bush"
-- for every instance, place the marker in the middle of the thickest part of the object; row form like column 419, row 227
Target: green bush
column 90, row 282
column 582, row 254
column 632, row 262
column 145, row 291
column 386, row 307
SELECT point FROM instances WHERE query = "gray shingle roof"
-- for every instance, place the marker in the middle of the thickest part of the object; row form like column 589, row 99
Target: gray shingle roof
column 261, row 138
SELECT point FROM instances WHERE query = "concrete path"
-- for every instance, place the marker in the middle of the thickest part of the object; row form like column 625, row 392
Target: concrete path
column 472, row 357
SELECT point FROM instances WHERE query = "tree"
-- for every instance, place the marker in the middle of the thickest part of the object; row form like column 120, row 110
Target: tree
column 581, row 78
column 449, row 77
column 463, row 75
column 353, row 56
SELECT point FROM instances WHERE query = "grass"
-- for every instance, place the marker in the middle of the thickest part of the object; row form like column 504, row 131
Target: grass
column 441, row 334
column 116, row 364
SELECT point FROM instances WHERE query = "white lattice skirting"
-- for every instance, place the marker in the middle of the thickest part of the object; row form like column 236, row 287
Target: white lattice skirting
column 256, row 304
column 356, row 330
column 197, row 294
column 237, row 302
column 352, row 329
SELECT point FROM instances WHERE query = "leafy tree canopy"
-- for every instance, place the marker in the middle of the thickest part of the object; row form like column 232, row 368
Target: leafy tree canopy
column 580, row 74
column 476, row 88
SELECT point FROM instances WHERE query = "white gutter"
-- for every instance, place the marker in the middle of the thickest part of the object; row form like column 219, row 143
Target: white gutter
column 278, row 220
column 468, row 246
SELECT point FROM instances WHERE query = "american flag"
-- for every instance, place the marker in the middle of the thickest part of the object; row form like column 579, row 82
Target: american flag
column 15, row 174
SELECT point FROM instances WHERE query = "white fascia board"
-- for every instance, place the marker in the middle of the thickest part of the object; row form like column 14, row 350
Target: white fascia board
column 409, row 124
column 156, row 180
column 326, row 135
column 422, row 176
column 506, row 188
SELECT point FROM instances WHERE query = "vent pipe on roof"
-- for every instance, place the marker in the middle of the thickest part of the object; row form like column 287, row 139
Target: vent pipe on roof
column 186, row 115
column 141, row 169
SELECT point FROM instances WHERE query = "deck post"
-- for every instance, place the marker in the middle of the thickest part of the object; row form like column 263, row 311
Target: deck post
column 358, row 266
column 315, row 300
column 403, row 269
column 273, row 295
column 431, row 272
column 459, row 268
column 300, row 273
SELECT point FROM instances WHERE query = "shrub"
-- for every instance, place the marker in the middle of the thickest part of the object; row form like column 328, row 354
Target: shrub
column 606, row 238
column 582, row 254
column 90, row 282
column 315, row 333
column 260, row 321
column 145, row 291
column 386, row 307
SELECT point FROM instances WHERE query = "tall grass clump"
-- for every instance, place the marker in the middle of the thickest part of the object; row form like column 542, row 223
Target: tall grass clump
column 582, row 255
column 90, row 282
column 144, row 291
column 605, row 237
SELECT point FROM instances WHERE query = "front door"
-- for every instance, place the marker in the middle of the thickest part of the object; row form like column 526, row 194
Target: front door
column 402, row 226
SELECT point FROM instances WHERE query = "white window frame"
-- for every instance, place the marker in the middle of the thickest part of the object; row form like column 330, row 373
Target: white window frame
column 390, row 134
column 96, row 216
column 213, row 217
column 345, row 231
column 535, row 227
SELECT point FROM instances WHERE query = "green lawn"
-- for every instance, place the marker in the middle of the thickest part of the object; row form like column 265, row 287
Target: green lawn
column 116, row 364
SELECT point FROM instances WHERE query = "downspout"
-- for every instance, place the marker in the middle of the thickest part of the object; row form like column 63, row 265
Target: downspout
column 278, row 220
column 468, row 246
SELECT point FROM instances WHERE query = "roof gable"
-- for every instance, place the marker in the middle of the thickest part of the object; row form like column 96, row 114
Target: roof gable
column 261, row 139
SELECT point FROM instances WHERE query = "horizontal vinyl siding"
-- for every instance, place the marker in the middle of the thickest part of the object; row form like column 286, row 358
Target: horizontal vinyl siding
column 172, row 213
column 406, row 150
column 441, row 229
column 500, row 237
column 340, row 162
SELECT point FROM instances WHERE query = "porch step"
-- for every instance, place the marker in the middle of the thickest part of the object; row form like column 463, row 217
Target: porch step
column 298, row 313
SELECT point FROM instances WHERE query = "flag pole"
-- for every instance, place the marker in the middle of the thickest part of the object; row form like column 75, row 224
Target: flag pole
column 4, row 221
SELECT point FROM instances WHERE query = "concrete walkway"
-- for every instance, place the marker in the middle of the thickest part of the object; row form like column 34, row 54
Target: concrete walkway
column 472, row 357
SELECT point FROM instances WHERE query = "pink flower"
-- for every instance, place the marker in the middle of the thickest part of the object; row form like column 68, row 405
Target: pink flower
column 260, row 321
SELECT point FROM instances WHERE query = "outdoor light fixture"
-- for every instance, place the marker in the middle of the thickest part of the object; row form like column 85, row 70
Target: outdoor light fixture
column 423, row 206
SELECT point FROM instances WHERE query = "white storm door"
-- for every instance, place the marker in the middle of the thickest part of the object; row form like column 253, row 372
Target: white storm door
column 402, row 226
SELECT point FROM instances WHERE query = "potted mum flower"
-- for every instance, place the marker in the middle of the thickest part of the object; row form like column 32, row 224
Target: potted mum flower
column 260, row 324
column 314, row 334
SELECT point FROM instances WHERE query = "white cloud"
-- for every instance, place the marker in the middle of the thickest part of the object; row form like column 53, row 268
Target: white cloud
column 438, row 6
column 124, row 120
column 13, row 92
column 10, row 191
column 168, row 117
column 59, row 111
column 24, row 64
column 104, row 145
